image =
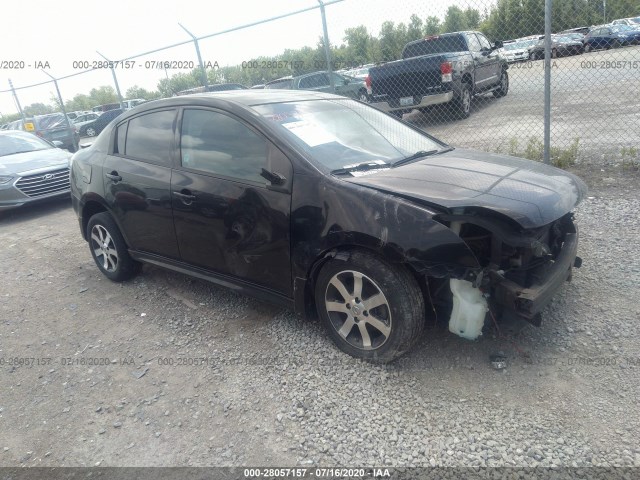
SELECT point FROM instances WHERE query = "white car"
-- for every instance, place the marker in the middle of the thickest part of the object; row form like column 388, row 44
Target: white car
column 85, row 118
column 517, row 51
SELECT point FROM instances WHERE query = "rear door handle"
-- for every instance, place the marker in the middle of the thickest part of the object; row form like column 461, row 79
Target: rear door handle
column 186, row 197
column 113, row 176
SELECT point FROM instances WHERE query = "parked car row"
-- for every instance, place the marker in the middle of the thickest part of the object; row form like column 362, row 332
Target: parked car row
column 575, row 41
column 326, row 82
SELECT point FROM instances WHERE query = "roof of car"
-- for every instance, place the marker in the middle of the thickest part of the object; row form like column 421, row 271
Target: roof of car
column 245, row 98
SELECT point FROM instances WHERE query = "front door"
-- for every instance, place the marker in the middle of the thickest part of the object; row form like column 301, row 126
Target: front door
column 228, row 218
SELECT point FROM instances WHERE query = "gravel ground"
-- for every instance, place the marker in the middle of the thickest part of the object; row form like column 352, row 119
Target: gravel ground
column 272, row 389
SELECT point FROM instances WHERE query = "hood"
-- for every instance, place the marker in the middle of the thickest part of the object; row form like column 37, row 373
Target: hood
column 24, row 163
column 531, row 193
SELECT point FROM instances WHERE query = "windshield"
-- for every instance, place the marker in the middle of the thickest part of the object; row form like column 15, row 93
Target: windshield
column 21, row 143
column 280, row 84
column 340, row 133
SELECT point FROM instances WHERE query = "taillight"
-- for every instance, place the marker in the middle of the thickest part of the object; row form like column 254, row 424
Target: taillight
column 446, row 68
column 367, row 82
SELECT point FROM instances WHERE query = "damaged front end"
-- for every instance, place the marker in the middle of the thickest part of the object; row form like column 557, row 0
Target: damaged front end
column 521, row 269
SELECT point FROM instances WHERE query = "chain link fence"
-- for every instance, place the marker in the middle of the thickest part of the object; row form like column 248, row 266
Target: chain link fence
column 471, row 73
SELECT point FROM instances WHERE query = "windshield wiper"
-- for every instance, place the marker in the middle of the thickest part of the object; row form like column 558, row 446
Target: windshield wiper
column 419, row 154
column 361, row 167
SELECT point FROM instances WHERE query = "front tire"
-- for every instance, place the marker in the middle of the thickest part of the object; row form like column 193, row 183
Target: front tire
column 109, row 249
column 372, row 309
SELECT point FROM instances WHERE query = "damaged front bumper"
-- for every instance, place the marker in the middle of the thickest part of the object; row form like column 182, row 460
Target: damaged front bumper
column 529, row 302
column 520, row 270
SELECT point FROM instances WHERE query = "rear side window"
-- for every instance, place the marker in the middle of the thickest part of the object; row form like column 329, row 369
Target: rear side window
column 120, row 138
column 474, row 44
column 150, row 137
column 216, row 143
column 282, row 84
column 315, row 81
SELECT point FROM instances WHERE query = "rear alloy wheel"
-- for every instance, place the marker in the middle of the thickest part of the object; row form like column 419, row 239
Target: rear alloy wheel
column 371, row 309
column 109, row 249
column 554, row 53
column 363, row 97
column 502, row 90
column 91, row 132
column 587, row 48
column 462, row 105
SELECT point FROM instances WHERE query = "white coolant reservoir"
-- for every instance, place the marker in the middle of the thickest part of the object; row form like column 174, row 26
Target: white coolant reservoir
column 469, row 310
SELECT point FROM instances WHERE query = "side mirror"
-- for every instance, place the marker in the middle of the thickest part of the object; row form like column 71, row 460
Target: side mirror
column 498, row 44
column 58, row 143
column 346, row 81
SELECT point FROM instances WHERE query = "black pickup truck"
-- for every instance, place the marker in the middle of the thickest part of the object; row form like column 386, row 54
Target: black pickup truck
column 439, row 69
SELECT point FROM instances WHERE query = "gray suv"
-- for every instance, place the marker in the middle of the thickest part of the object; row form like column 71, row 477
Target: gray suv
column 53, row 127
column 320, row 82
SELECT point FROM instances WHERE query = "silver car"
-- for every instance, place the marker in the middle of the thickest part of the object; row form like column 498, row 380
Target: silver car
column 31, row 169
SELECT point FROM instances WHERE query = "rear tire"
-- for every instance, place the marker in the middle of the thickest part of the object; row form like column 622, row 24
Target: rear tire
column 502, row 90
column 372, row 309
column 109, row 250
column 462, row 104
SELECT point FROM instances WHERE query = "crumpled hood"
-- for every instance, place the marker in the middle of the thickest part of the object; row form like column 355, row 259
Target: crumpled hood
column 531, row 193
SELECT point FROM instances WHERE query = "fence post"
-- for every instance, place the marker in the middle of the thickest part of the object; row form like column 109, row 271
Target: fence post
column 327, row 48
column 203, row 72
column 15, row 97
column 115, row 80
column 547, row 81
column 64, row 111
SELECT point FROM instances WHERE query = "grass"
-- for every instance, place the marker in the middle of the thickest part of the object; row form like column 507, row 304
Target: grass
column 534, row 150
column 630, row 158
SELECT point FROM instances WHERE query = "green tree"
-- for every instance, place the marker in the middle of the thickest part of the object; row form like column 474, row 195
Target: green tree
column 415, row 28
column 432, row 26
column 454, row 20
column 357, row 48
column 37, row 109
column 139, row 92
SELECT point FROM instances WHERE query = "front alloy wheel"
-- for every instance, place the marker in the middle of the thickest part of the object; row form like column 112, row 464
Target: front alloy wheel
column 91, row 132
column 371, row 309
column 358, row 310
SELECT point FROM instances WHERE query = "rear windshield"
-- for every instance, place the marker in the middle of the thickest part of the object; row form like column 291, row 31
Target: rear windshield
column 50, row 121
column 437, row 44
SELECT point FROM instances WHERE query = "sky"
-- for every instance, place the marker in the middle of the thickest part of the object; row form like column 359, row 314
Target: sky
column 54, row 35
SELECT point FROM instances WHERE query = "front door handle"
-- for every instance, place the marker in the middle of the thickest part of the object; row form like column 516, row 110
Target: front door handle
column 186, row 196
column 113, row 176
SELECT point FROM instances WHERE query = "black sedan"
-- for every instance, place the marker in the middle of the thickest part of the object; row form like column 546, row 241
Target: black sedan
column 561, row 46
column 94, row 128
column 329, row 206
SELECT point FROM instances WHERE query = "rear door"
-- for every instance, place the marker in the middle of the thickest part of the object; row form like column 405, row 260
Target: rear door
column 228, row 218
column 137, row 182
